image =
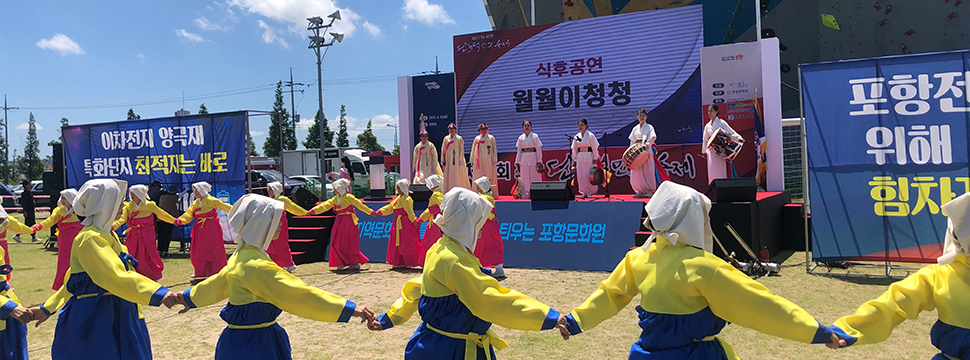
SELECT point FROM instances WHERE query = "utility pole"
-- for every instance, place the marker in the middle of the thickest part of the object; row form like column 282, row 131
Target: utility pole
column 291, row 84
column 6, row 136
column 317, row 42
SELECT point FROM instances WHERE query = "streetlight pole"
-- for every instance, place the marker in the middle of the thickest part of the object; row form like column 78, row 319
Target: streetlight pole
column 316, row 43
column 395, row 132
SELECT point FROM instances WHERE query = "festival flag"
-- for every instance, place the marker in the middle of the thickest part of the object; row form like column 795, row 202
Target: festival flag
column 760, row 144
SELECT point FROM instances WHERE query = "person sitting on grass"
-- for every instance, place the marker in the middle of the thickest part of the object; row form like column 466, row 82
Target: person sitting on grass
column 944, row 286
column 687, row 295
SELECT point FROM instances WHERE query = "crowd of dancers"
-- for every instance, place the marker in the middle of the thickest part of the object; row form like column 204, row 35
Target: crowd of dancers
column 687, row 295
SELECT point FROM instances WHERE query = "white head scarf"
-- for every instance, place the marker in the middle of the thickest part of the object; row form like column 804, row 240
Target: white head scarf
column 483, row 184
column 433, row 181
column 463, row 213
column 680, row 214
column 341, row 187
column 957, row 229
column 141, row 191
column 255, row 218
column 68, row 195
column 98, row 202
column 275, row 189
column 202, row 187
column 404, row 187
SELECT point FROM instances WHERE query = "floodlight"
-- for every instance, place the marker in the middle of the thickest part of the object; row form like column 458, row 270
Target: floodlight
column 339, row 36
column 335, row 15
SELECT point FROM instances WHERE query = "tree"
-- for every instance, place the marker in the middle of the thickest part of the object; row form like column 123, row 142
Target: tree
column 6, row 171
column 397, row 150
column 252, row 146
column 342, row 130
column 368, row 141
column 132, row 115
column 60, row 137
column 280, row 123
column 30, row 164
column 203, row 110
column 313, row 137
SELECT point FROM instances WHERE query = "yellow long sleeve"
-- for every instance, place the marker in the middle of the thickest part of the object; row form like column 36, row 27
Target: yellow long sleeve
column 353, row 200
column 400, row 203
column 125, row 214
column 289, row 293
column 491, row 200
column 405, row 306
column 18, row 227
column 875, row 320
column 56, row 215
column 324, row 206
column 210, row 291
column 291, row 207
column 435, row 199
column 613, row 295
column 150, row 206
column 189, row 214
column 58, row 298
column 204, row 205
column 457, row 271
column 93, row 253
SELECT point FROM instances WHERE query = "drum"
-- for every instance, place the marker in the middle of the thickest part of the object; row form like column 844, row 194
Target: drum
column 724, row 145
column 636, row 155
column 596, row 175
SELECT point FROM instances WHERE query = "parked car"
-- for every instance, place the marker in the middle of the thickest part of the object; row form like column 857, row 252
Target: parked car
column 10, row 199
column 315, row 185
column 261, row 178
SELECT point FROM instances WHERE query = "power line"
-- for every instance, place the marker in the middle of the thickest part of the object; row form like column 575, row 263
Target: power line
column 159, row 102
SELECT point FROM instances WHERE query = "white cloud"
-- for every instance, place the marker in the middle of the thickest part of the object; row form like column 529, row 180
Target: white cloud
column 381, row 119
column 305, row 123
column 374, row 31
column 425, row 12
column 26, row 126
column 188, row 36
column 255, row 133
column 207, row 25
column 271, row 35
column 61, row 44
column 295, row 13
column 141, row 57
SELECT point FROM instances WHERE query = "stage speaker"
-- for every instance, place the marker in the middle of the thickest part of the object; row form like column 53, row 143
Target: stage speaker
column 55, row 182
column 733, row 190
column 304, row 198
column 551, row 191
column 420, row 192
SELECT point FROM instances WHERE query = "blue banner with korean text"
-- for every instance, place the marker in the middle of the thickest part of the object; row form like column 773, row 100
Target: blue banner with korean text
column 887, row 147
column 585, row 236
column 174, row 151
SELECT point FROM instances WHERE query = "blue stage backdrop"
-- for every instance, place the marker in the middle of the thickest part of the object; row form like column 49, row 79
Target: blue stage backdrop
column 586, row 236
column 434, row 106
column 887, row 146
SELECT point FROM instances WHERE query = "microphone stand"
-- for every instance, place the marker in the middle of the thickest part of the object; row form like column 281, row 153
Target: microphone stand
column 570, row 147
column 606, row 184
column 683, row 154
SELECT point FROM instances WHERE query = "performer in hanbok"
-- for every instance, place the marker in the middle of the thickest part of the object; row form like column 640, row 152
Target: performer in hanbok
column 644, row 179
column 18, row 228
column 258, row 290
column 585, row 154
column 279, row 248
column 456, row 297
column 141, row 240
column 404, row 245
column 99, row 313
column 453, row 160
column 345, row 236
column 944, row 286
column 68, row 226
column 432, row 233
column 687, row 295
column 528, row 157
column 13, row 316
column 425, row 159
column 208, row 253
column 484, row 157
column 489, row 248
column 717, row 167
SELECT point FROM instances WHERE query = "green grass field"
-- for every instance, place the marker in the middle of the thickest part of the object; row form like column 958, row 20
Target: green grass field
column 194, row 335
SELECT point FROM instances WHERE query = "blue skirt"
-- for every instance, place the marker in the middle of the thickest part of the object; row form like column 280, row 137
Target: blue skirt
column 13, row 341
column 447, row 314
column 678, row 337
column 106, row 326
column 951, row 340
column 263, row 343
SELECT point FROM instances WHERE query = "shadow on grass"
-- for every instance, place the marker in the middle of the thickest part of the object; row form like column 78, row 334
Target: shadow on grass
column 860, row 279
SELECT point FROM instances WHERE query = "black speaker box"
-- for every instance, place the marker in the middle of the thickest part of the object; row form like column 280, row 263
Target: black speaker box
column 551, row 191
column 304, row 198
column 420, row 192
column 733, row 190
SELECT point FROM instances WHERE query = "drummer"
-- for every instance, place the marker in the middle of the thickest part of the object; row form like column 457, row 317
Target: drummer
column 717, row 167
column 585, row 154
column 643, row 179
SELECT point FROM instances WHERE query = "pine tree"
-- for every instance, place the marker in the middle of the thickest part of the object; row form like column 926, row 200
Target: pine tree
column 327, row 134
column 30, row 164
column 368, row 141
column 280, row 123
column 60, row 136
column 5, row 168
column 342, row 130
column 203, row 110
column 312, row 140
column 252, row 147
column 132, row 115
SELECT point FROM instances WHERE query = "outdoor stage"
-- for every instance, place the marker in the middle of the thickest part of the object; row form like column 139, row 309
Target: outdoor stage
column 584, row 234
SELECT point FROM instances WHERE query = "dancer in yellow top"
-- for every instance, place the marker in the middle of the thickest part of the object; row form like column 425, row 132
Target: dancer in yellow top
column 208, row 253
column 687, row 295
column 140, row 239
column 944, row 287
column 258, row 290
column 345, row 235
column 404, row 244
column 279, row 248
column 68, row 226
column 13, row 316
column 457, row 300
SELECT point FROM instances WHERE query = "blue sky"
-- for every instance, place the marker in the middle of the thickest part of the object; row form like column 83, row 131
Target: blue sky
column 90, row 61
